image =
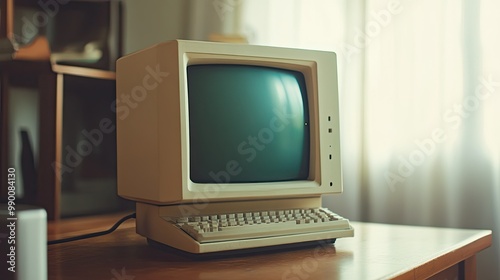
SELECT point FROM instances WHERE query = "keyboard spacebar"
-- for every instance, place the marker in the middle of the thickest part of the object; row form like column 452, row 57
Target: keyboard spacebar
column 269, row 230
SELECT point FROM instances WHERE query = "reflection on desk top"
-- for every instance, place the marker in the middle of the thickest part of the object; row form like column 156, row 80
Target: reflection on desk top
column 377, row 251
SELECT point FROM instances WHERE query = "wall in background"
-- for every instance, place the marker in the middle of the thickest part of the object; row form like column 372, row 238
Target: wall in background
column 153, row 21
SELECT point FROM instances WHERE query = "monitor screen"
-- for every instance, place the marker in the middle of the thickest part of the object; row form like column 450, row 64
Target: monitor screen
column 247, row 124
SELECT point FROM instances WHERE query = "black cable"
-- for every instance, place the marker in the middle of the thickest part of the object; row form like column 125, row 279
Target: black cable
column 94, row 234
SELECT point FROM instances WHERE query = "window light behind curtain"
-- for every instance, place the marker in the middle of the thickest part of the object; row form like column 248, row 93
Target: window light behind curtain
column 420, row 103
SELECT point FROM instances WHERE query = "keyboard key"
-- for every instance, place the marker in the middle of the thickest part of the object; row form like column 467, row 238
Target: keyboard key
column 274, row 229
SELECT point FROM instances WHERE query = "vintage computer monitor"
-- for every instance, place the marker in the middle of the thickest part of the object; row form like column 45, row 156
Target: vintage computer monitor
column 211, row 135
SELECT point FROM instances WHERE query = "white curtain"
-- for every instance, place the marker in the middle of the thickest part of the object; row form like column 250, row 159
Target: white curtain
column 420, row 103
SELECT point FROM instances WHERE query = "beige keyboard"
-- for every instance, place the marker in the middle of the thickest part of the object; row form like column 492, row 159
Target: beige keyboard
column 249, row 225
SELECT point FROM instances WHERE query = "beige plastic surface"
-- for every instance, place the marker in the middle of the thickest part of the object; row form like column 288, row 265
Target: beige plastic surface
column 152, row 123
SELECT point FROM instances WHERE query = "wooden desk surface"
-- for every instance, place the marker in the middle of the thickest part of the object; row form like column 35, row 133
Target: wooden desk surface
column 378, row 251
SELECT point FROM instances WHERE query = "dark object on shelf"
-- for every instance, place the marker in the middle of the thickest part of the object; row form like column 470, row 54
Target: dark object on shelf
column 28, row 169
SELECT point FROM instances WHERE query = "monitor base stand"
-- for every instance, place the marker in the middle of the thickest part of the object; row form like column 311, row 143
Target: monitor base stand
column 155, row 222
column 328, row 244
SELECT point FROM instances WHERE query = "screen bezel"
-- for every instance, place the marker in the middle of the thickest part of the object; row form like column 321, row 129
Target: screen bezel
column 309, row 70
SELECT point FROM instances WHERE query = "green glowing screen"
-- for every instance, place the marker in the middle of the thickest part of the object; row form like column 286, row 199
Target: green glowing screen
column 247, row 124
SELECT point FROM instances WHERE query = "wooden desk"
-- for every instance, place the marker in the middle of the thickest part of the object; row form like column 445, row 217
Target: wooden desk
column 378, row 251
